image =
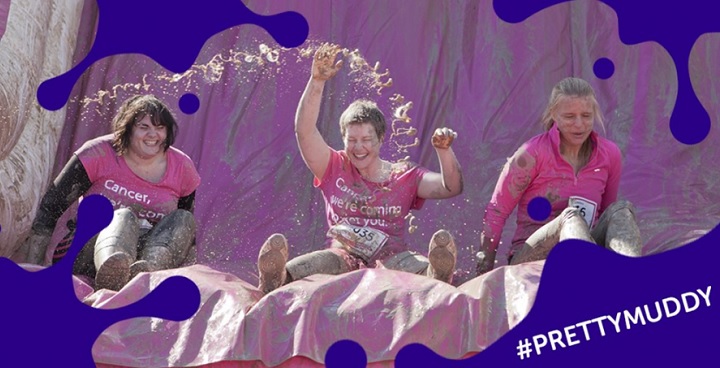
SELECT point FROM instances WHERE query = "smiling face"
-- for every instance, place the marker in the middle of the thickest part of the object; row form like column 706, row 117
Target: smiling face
column 362, row 145
column 140, row 121
column 574, row 117
column 147, row 140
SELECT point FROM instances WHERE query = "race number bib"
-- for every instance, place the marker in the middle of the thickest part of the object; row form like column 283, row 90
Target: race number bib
column 363, row 242
column 587, row 208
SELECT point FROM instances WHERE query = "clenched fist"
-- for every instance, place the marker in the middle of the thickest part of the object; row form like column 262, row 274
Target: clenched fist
column 443, row 138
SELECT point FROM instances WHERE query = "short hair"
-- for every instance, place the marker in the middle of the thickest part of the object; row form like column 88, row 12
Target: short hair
column 570, row 87
column 363, row 111
column 135, row 109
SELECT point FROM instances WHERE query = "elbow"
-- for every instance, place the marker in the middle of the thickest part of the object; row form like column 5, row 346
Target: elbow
column 461, row 187
column 452, row 191
column 458, row 188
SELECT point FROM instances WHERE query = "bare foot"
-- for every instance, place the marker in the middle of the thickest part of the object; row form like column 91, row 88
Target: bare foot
column 271, row 263
column 442, row 255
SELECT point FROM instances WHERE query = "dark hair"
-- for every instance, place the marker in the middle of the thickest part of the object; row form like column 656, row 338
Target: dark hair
column 135, row 109
column 360, row 112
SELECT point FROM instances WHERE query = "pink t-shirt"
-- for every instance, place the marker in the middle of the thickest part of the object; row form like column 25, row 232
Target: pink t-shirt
column 351, row 199
column 111, row 177
column 553, row 178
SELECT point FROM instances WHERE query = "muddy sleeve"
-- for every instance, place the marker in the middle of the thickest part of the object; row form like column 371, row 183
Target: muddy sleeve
column 187, row 202
column 70, row 184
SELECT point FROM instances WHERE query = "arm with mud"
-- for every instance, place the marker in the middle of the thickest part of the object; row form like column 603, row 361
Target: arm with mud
column 313, row 147
column 517, row 174
column 69, row 185
column 449, row 182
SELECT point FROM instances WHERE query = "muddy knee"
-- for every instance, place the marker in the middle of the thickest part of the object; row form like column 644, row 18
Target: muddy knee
column 623, row 235
column 176, row 232
column 123, row 222
column 573, row 226
column 180, row 217
column 121, row 234
column 621, row 204
column 178, row 224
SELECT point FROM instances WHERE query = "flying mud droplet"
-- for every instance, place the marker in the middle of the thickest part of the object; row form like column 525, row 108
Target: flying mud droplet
column 410, row 218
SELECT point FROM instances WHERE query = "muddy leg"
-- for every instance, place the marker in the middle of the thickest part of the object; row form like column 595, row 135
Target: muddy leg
column 115, row 250
column 333, row 261
column 408, row 261
column 167, row 244
column 617, row 229
column 84, row 263
column 568, row 225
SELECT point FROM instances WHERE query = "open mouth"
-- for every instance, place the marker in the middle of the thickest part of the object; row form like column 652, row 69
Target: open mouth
column 360, row 157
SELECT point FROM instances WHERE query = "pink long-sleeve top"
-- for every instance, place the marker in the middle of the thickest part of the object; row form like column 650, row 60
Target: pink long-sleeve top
column 538, row 170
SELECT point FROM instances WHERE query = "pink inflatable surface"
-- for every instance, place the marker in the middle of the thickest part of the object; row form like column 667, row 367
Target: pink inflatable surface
column 383, row 310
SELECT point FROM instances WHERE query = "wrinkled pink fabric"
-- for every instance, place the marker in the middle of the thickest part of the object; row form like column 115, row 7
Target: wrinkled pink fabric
column 538, row 170
column 383, row 310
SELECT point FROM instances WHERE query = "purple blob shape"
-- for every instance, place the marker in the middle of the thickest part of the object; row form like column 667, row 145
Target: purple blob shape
column 173, row 40
column 539, row 208
column 604, row 68
column 345, row 353
column 689, row 121
column 189, row 103
column 46, row 325
column 581, row 282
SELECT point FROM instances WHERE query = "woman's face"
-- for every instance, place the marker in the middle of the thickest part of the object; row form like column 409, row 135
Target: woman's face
column 147, row 140
column 362, row 145
column 574, row 117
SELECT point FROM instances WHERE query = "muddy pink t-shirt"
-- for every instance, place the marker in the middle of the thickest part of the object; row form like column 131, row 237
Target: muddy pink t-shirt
column 351, row 199
column 543, row 172
column 111, row 177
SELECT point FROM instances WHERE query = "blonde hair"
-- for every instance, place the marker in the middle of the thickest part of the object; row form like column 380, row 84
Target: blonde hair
column 570, row 87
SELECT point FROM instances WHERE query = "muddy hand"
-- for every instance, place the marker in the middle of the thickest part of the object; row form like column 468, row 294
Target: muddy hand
column 324, row 66
column 443, row 138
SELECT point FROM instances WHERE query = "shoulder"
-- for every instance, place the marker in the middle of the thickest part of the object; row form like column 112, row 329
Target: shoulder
column 407, row 170
column 339, row 159
column 182, row 160
column 532, row 150
column 96, row 148
column 540, row 144
column 184, row 170
column 608, row 148
column 180, row 155
column 103, row 141
column 404, row 166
